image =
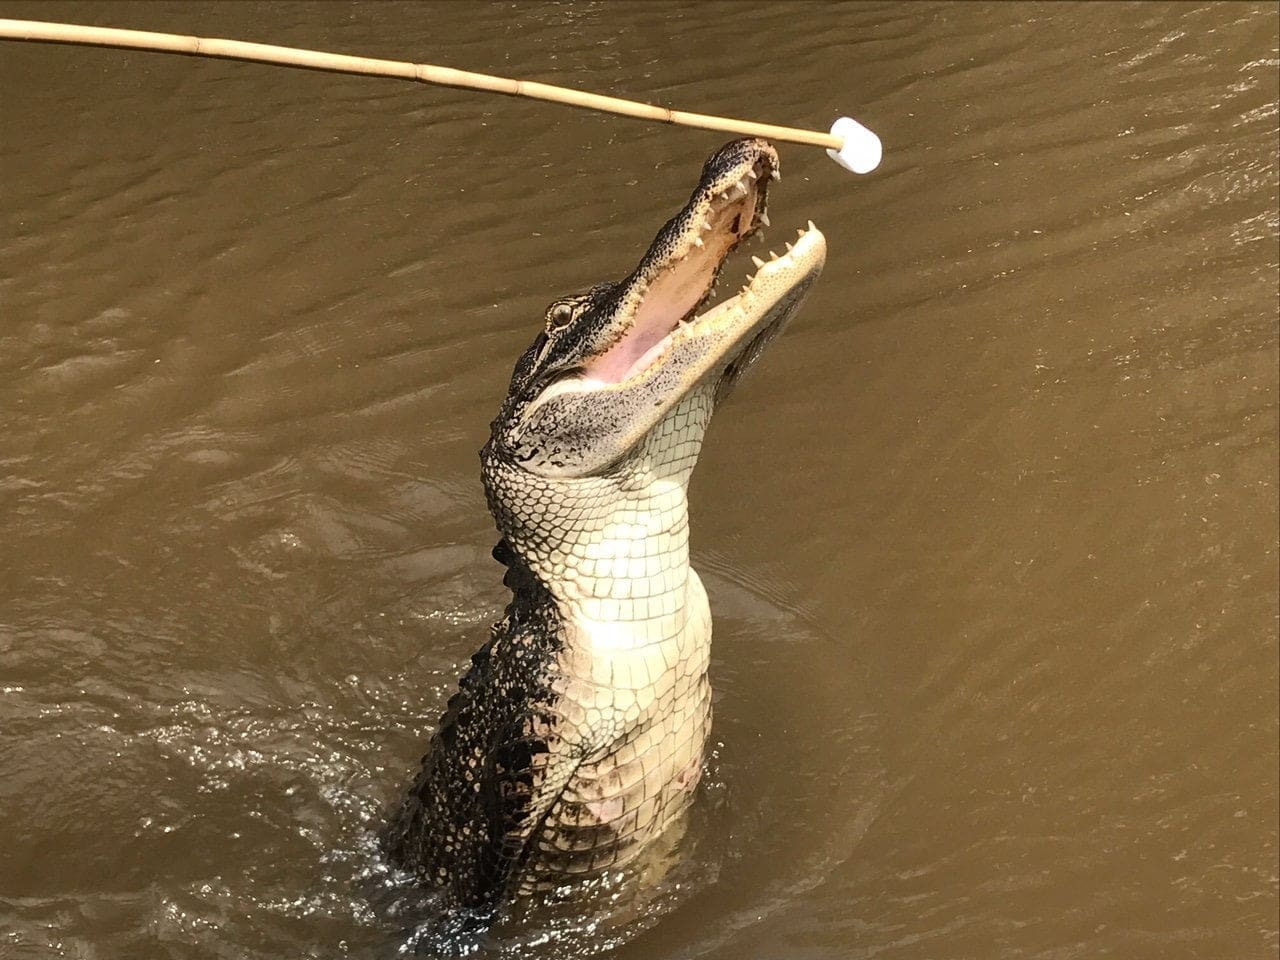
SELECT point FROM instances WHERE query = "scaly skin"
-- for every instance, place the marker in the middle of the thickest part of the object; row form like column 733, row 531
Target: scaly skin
column 577, row 735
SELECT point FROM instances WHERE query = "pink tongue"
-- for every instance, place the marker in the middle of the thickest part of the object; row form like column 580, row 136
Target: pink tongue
column 634, row 353
column 672, row 294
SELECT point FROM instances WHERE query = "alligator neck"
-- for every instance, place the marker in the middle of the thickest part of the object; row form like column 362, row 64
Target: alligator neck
column 613, row 550
column 620, row 576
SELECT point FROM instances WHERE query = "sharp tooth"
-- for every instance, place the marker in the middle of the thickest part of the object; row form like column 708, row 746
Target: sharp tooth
column 777, row 174
column 764, row 218
column 714, row 293
column 758, row 262
column 788, row 248
column 725, row 196
column 706, row 224
column 799, row 233
column 772, row 255
column 811, row 226
column 697, row 242
column 739, row 190
column 752, row 173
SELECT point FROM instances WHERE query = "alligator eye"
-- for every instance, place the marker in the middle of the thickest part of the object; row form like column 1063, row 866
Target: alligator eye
column 559, row 317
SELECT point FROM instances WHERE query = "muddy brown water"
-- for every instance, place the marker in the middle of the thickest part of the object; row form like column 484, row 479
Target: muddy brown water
column 990, row 534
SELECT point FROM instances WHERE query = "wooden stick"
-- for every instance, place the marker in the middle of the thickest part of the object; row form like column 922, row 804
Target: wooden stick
column 421, row 72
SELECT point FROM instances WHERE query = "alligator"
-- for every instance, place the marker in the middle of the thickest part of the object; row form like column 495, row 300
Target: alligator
column 576, row 737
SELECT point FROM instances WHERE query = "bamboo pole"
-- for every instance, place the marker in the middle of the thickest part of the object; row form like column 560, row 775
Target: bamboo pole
column 421, row 72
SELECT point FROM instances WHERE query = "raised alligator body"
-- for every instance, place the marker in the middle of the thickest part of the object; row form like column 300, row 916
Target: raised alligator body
column 577, row 735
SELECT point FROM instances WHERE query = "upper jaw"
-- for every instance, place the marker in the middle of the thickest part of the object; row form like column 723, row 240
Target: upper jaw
column 677, row 275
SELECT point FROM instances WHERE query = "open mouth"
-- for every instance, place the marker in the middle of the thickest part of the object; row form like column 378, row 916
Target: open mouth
column 669, row 294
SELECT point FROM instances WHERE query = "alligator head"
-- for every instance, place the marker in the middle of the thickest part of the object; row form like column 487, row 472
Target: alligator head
column 612, row 362
column 578, row 733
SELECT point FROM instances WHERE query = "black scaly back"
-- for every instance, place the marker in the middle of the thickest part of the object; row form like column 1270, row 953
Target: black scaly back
column 466, row 824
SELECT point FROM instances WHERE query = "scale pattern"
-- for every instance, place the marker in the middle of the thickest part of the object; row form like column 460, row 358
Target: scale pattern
column 577, row 735
column 463, row 821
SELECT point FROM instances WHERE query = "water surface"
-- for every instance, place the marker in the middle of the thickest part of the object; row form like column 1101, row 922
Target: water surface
column 990, row 534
